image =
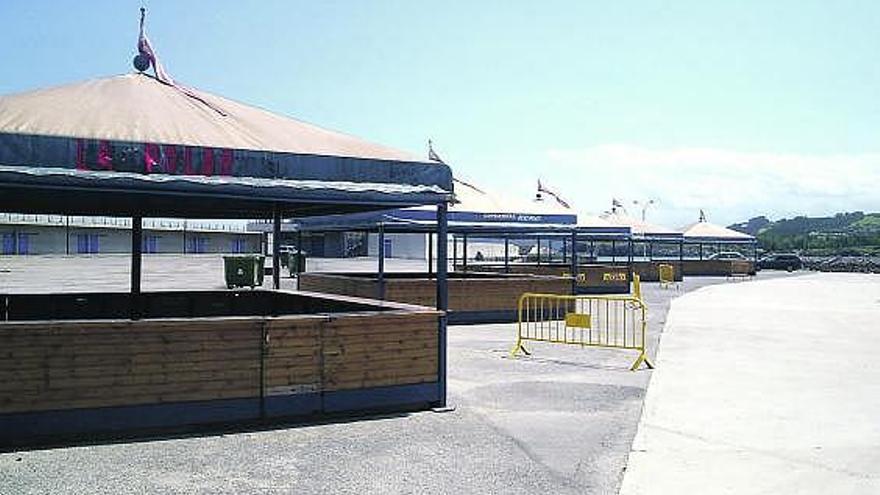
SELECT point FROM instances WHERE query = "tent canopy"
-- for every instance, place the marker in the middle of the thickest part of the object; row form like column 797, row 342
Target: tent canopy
column 709, row 232
column 132, row 143
column 474, row 210
column 639, row 227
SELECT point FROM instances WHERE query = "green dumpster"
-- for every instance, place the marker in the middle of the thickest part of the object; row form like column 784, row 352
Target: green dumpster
column 296, row 263
column 244, row 270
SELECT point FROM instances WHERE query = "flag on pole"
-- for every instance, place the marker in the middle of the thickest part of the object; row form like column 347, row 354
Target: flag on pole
column 145, row 48
column 432, row 155
column 545, row 190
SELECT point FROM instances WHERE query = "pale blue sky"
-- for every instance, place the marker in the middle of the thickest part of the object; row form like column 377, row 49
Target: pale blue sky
column 737, row 107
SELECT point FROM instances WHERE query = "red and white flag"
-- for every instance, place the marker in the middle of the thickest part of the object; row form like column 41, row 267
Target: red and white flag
column 146, row 49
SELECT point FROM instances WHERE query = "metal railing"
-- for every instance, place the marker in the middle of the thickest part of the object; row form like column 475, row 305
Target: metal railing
column 616, row 322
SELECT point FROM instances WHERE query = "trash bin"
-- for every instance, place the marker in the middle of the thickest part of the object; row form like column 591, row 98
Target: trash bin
column 244, row 270
column 296, row 263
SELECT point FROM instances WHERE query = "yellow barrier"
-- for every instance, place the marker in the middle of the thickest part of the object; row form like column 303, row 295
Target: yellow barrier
column 617, row 322
column 667, row 275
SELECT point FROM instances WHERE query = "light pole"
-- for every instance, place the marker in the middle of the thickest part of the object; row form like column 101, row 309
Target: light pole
column 645, row 205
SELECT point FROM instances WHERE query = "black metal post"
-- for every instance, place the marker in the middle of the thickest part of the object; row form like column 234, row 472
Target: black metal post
column 613, row 252
column 430, row 253
column 67, row 234
column 276, row 247
column 539, row 249
column 630, row 256
column 136, row 259
column 454, row 249
column 299, row 250
column 506, row 254
column 380, row 278
column 442, row 300
column 464, row 253
column 574, row 263
column 564, row 251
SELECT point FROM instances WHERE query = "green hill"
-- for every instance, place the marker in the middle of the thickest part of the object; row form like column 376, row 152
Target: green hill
column 844, row 233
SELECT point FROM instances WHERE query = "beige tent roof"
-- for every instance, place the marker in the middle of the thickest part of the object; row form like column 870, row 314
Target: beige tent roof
column 638, row 227
column 587, row 220
column 138, row 108
column 708, row 230
column 470, row 198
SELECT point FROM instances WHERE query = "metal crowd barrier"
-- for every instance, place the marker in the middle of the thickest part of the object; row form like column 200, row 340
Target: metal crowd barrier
column 616, row 322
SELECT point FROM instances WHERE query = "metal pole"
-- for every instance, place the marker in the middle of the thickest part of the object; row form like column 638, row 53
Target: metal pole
column 67, row 234
column 539, row 249
column 454, row 249
column 276, row 247
column 506, row 254
column 564, row 251
column 630, row 257
column 574, row 262
column 442, row 301
column 430, row 253
column 136, row 259
column 464, row 253
column 613, row 252
column 299, row 250
column 380, row 278
column 701, row 251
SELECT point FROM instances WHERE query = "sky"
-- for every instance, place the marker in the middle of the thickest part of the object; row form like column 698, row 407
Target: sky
column 737, row 108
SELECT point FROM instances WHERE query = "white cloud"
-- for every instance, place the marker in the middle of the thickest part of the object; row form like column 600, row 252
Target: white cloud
column 730, row 185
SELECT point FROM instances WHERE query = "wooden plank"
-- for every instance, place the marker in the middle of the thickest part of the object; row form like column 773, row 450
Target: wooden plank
column 47, row 384
column 380, row 382
column 43, row 372
column 181, row 396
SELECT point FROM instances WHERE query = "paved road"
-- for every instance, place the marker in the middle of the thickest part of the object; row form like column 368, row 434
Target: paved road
column 765, row 387
column 560, row 421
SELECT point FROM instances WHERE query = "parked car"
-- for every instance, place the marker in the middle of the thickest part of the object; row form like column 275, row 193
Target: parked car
column 790, row 262
column 728, row 255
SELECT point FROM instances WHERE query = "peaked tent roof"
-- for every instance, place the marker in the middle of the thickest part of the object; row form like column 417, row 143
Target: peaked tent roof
column 139, row 108
column 585, row 220
column 474, row 211
column 639, row 227
column 142, row 128
column 709, row 231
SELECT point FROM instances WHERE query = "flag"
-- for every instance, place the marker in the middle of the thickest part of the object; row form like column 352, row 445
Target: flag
column 542, row 189
column 432, row 155
column 145, row 48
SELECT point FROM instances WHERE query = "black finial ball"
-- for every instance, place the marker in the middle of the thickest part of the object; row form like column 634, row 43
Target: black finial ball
column 141, row 62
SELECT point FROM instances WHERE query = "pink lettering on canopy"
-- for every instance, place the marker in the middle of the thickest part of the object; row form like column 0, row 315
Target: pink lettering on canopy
column 187, row 161
column 208, row 162
column 226, row 160
column 169, row 159
column 105, row 158
column 81, row 155
column 151, row 153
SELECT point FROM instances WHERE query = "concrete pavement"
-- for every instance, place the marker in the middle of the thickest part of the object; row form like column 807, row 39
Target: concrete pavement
column 770, row 386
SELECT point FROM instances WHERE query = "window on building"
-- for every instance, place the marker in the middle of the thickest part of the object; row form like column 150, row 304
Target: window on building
column 151, row 244
column 239, row 245
column 87, row 243
column 9, row 243
column 24, row 243
column 197, row 245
